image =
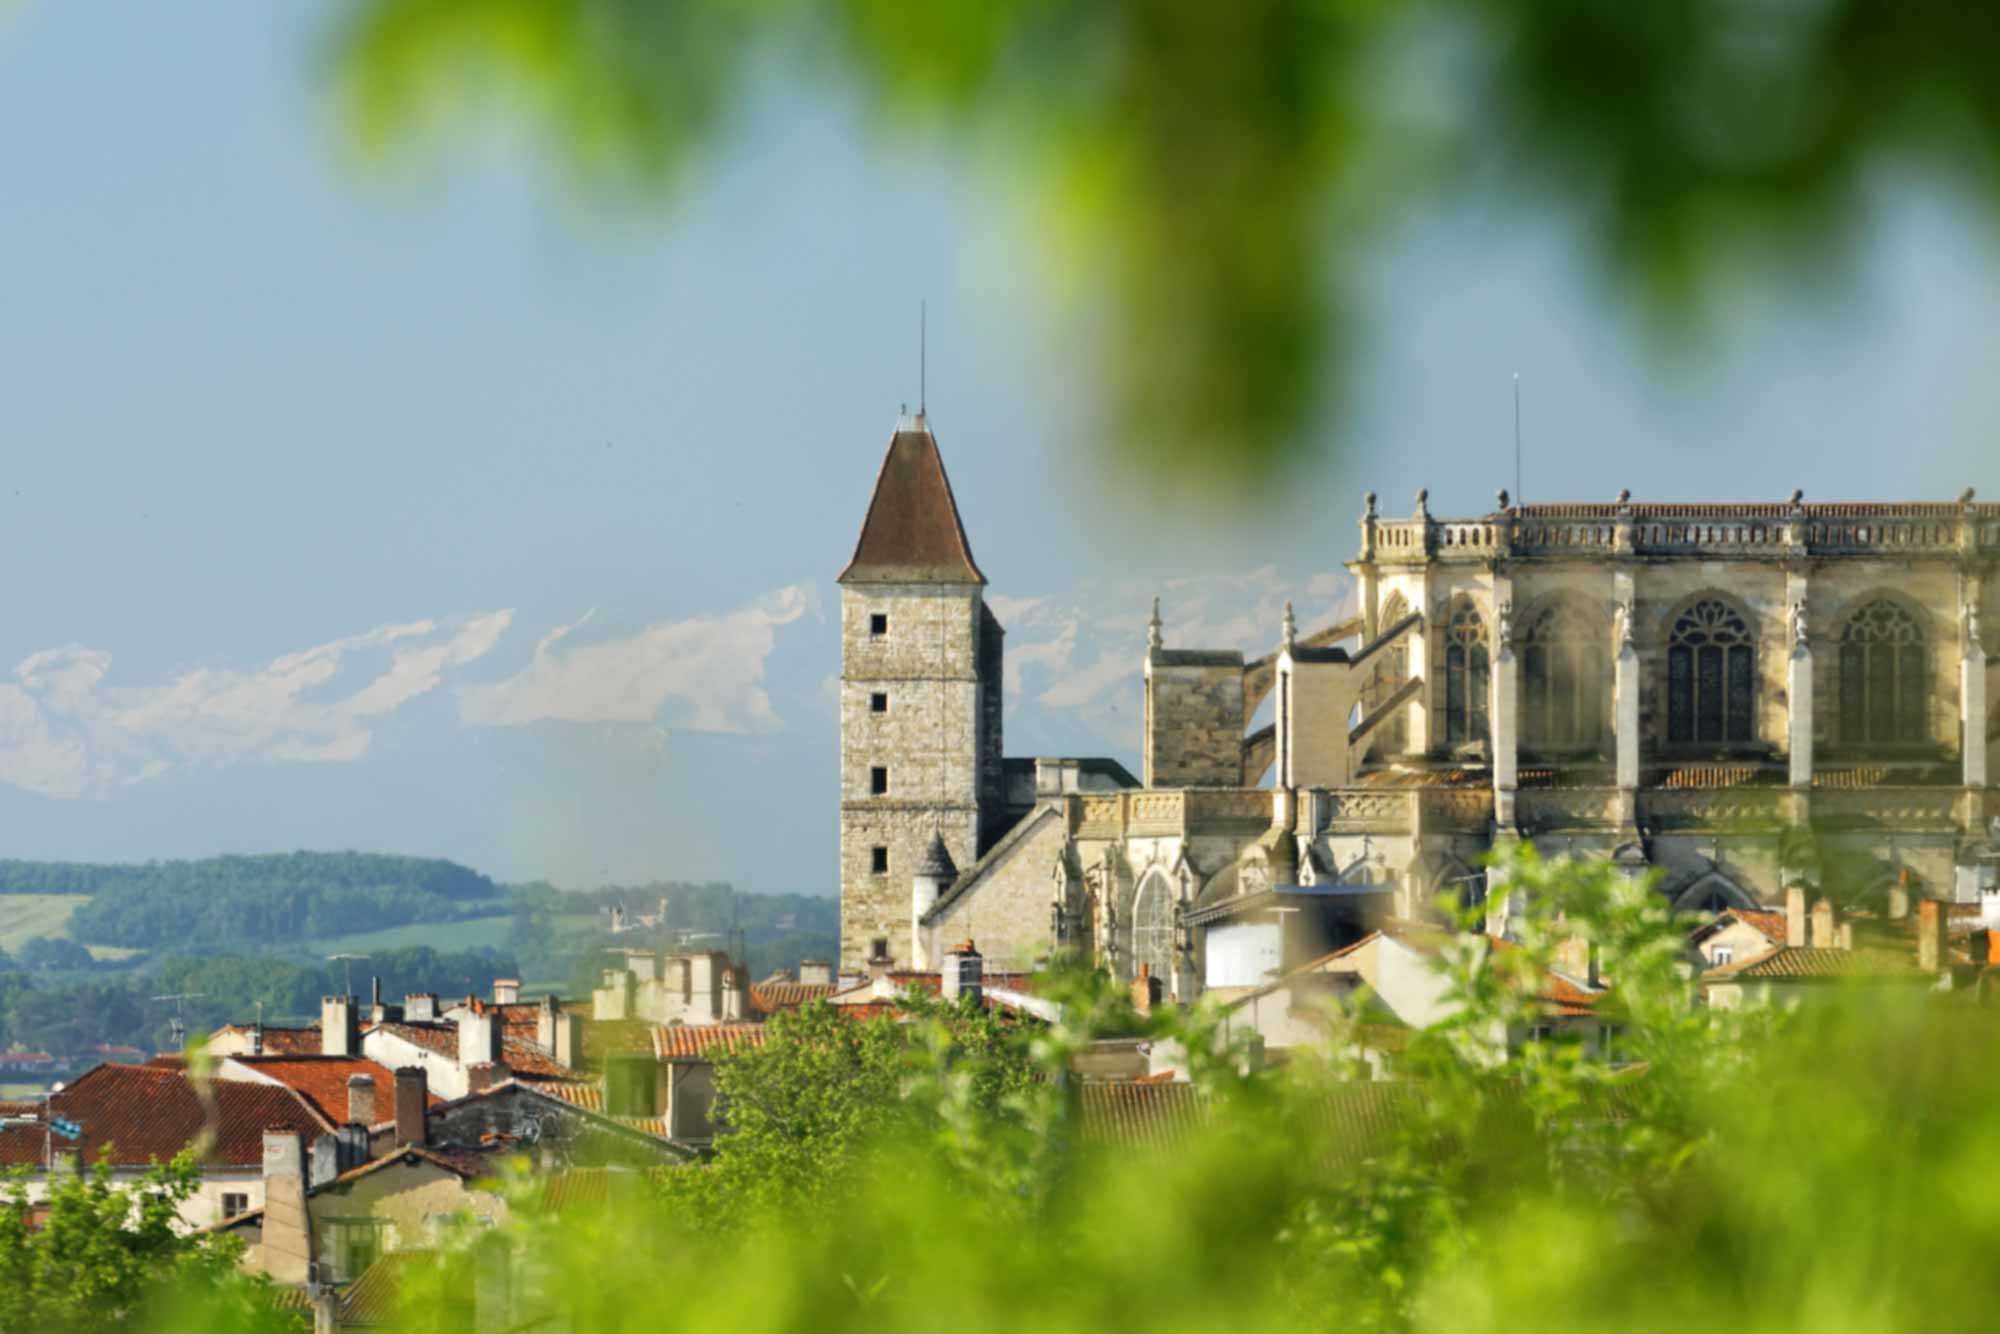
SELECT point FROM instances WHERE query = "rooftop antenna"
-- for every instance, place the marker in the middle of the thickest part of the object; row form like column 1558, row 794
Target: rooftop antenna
column 1517, row 438
column 177, row 1026
column 347, row 959
column 923, row 356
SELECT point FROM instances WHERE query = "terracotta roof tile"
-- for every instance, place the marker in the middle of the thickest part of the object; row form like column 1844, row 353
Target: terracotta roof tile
column 303, row 1041
column 141, row 1113
column 322, row 1081
column 771, row 997
column 1809, row 964
column 692, row 1042
column 912, row 533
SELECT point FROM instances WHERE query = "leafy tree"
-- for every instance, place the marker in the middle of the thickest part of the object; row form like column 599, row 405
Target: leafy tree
column 50, row 954
column 1215, row 173
column 103, row 1255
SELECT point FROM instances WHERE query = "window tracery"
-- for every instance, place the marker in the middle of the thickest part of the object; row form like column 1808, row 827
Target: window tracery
column 1153, row 927
column 1467, row 676
column 1711, row 676
column 1884, row 677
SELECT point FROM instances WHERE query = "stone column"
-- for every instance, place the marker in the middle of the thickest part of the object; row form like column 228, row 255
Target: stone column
column 1503, row 711
column 1417, row 714
column 1972, row 691
column 1625, row 688
column 1799, row 682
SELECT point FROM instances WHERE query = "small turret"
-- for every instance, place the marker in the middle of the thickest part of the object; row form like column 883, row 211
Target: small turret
column 933, row 874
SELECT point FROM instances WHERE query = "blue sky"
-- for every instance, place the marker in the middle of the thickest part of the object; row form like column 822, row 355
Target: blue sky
column 435, row 512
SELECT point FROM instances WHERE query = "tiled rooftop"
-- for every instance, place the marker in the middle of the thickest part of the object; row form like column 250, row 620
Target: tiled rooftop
column 687, row 1042
column 134, row 1114
column 322, row 1081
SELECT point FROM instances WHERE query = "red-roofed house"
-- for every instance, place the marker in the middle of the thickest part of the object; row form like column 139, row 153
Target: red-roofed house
column 136, row 1115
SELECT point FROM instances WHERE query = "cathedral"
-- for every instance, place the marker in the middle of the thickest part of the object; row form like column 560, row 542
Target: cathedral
column 1741, row 699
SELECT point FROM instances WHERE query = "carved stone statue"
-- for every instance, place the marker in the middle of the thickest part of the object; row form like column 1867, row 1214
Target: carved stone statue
column 1972, row 626
column 1504, row 615
column 1621, row 626
column 1799, row 631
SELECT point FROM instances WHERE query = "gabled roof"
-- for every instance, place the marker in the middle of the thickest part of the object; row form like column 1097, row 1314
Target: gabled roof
column 912, row 534
column 695, row 1042
column 302, row 1041
column 320, row 1080
column 135, row 1114
column 1785, row 964
column 770, row 997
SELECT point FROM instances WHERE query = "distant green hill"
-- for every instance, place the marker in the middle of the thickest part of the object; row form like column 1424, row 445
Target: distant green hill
column 254, row 900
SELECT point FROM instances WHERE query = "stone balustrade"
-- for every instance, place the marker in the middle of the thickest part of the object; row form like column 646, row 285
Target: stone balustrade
column 1723, row 531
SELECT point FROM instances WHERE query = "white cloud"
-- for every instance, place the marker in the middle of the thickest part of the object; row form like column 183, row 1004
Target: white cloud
column 1075, row 663
column 704, row 675
column 66, row 731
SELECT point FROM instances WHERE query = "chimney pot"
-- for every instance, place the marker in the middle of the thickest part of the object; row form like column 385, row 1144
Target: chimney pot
column 412, row 1097
column 506, row 990
column 1795, row 917
column 339, row 1026
column 1823, row 937
column 361, row 1099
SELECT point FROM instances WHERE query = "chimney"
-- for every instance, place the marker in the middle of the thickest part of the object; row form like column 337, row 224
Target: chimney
column 421, row 1007
column 361, row 1100
column 255, row 1041
column 506, row 990
column 1846, row 936
column 815, row 973
column 481, row 1077
column 705, row 992
column 412, row 1095
column 1899, row 897
column 1930, row 936
column 376, row 1012
column 339, row 1027
column 478, row 1035
column 732, row 994
column 1145, row 990
column 568, row 1049
column 964, row 973
column 287, row 1242
column 545, row 1024
column 1823, row 937
column 1992, row 946
column 1795, row 917
column 323, row 1163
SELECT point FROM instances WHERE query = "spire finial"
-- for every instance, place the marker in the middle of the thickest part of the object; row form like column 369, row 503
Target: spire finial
column 923, row 358
column 1154, row 639
column 1291, row 629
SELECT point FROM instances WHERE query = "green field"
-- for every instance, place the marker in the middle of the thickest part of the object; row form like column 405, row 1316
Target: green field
column 25, row 916
column 471, row 934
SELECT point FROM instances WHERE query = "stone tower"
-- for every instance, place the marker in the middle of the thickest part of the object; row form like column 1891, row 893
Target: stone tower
column 920, row 685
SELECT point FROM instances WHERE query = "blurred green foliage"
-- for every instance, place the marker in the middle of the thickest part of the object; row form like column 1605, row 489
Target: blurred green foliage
column 1212, row 172
column 1827, row 1168
column 101, row 1256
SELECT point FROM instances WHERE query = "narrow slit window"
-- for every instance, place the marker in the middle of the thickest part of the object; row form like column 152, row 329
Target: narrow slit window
column 878, row 781
column 878, row 860
column 878, row 702
column 878, row 623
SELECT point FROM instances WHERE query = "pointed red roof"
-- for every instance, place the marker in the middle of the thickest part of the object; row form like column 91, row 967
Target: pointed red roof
column 912, row 534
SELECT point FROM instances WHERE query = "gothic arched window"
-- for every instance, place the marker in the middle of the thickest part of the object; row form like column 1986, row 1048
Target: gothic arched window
column 1564, row 667
column 1884, row 677
column 1392, row 669
column 1467, row 676
column 1711, row 676
column 1153, row 927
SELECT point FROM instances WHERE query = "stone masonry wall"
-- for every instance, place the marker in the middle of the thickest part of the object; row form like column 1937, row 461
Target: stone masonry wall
column 1194, row 725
